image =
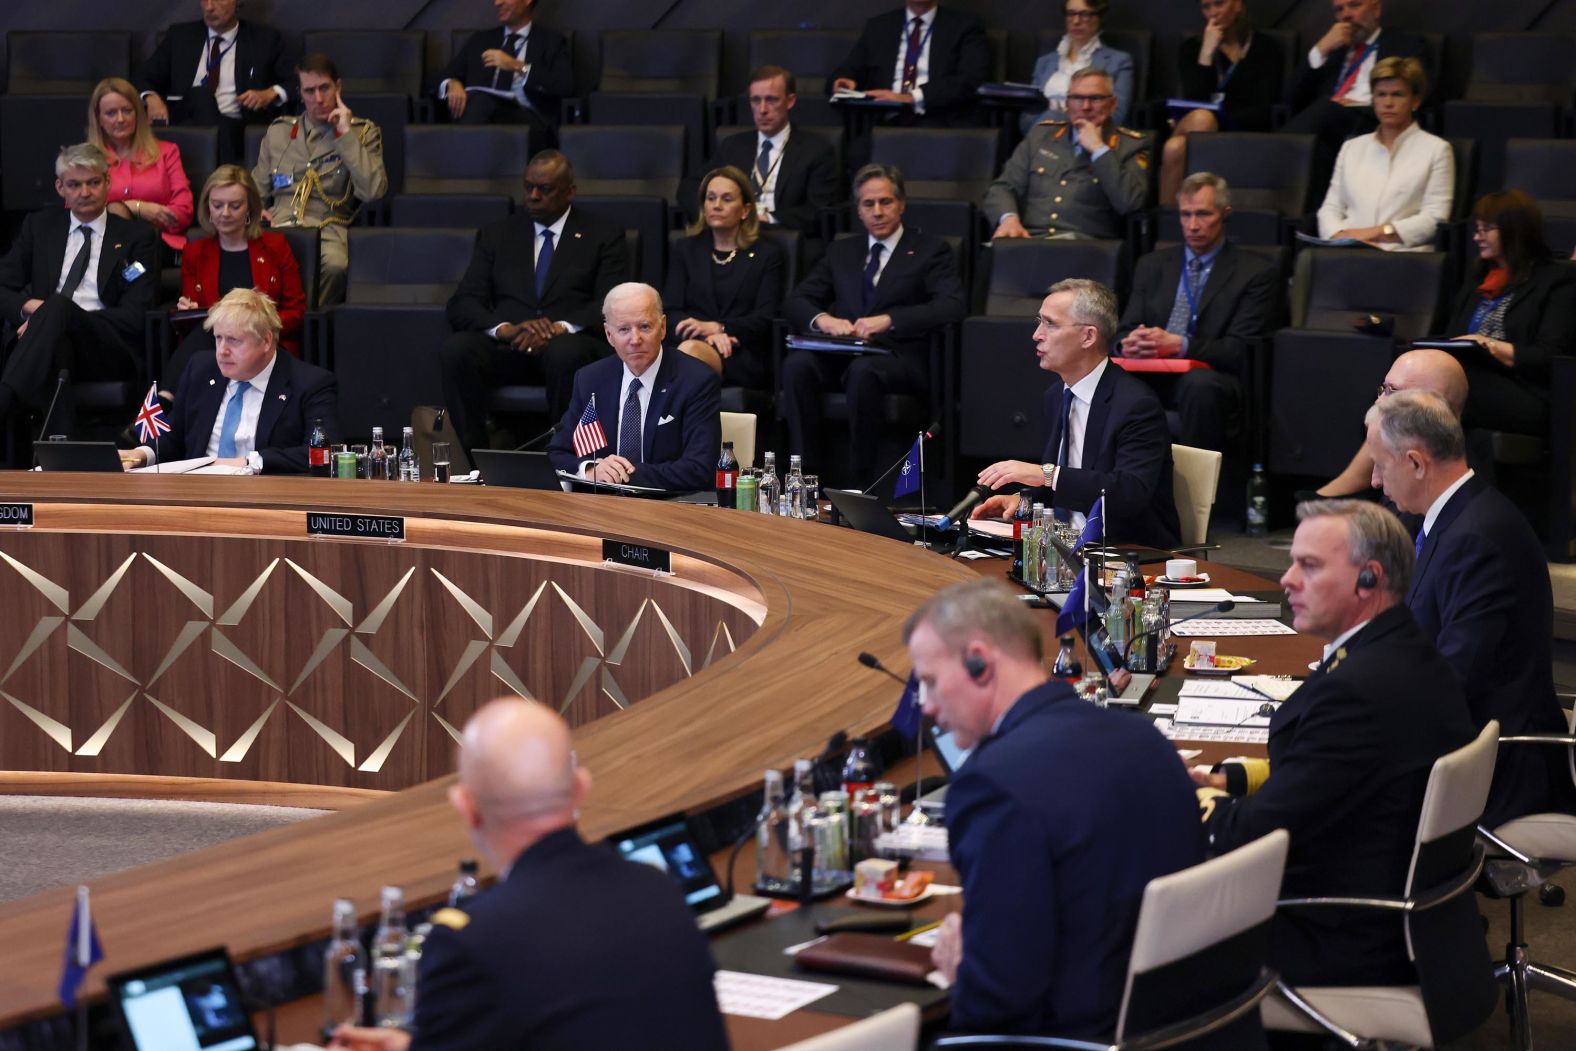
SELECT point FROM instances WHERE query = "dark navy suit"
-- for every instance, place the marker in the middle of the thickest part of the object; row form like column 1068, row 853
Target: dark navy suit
column 1126, row 453
column 550, row 81
column 297, row 394
column 1055, row 823
column 1350, row 756
column 959, row 63
column 680, row 453
column 577, row 948
column 1481, row 591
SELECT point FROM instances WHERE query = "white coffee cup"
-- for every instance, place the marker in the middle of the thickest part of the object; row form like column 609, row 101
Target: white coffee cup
column 1177, row 568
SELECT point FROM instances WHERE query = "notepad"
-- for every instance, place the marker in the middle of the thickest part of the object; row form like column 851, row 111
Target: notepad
column 763, row 996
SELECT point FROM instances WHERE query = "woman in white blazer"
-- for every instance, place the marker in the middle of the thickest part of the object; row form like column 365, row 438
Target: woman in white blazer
column 1393, row 187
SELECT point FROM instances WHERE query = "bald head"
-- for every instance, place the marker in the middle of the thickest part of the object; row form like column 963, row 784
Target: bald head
column 1433, row 371
column 517, row 765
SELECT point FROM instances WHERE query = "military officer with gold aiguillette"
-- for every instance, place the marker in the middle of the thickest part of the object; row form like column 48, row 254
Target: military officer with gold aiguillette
column 316, row 169
column 1075, row 178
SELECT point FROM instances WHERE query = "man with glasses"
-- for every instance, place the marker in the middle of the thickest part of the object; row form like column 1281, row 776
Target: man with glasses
column 1079, row 177
column 1106, row 430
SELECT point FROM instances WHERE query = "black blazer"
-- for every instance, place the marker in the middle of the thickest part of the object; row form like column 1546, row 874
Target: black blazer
column 627, row 967
column 919, row 287
column 1126, row 453
column 1254, row 86
column 500, row 283
column 1481, row 591
column 1540, row 321
column 1242, row 304
column 31, row 269
column 959, row 62
column 552, row 77
column 297, row 394
column 261, row 61
column 1311, row 84
column 691, row 291
column 1350, row 756
column 807, row 182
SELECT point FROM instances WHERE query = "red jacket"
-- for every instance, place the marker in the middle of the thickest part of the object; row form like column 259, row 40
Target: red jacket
column 274, row 272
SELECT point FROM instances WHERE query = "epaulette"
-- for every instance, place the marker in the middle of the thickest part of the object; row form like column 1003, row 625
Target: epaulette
column 1130, row 133
column 363, row 128
column 287, row 121
column 454, row 919
column 1055, row 123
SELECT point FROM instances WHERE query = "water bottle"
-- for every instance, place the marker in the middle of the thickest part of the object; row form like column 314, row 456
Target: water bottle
column 464, row 885
column 774, row 866
column 409, row 468
column 1258, row 502
column 1021, row 520
column 1031, row 547
column 344, row 970
column 393, row 994
column 317, row 450
column 793, row 489
column 1066, row 668
column 801, row 812
column 770, row 490
column 727, row 476
column 859, row 769
column 1047, row 554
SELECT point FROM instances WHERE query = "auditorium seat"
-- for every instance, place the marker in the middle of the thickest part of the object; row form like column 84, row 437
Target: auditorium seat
column 462, row 159
column 1013, row 273
column 199, row 148
column 688, row 61
column 620, row 160
column 1543, row 168
column 811, row 55
column 391, row 113
column 647, row 215
column 1001, row 392
column 374, row 61
column 64, row 62
column 656, row 107
column 466, row 210
column 33, row 128
column 1270, row 175
column 953, row 164
column 1520, row 87
column 1333, row 289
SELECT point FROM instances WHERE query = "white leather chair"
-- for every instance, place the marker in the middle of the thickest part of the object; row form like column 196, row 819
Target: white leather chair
column 895, row 1029
column 1216, row 914
column 1195, row 479
column 739, row 428
column 1455, row 990
column 1524, row 853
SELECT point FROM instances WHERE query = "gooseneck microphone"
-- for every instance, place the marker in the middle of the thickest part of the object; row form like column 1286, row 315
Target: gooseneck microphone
column 60, row 385
column 1225, row 605
column 963, row 507
column 870, row 660
column 929, row 433
column 539, row 438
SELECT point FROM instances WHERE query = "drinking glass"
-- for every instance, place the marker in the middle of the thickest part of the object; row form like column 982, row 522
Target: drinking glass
column 440, row 461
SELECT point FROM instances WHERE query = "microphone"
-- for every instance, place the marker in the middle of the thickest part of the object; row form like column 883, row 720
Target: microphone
column 963, row 507
column 1225, row 605
column 929, row 432
column 518, row 448
column 870, row 660
column 60, row 384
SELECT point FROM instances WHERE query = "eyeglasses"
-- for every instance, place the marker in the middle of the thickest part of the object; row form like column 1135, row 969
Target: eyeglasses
column 1387, row 389
column 1040, row 322
column 1080, row 16
column 1484, row 229
column 1086, row 100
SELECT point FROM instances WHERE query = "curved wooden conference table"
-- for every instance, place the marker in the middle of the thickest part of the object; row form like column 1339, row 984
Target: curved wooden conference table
column 232, row 657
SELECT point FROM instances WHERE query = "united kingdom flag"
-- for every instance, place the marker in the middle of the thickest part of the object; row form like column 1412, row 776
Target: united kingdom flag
column 588, row 437
column 150, row 421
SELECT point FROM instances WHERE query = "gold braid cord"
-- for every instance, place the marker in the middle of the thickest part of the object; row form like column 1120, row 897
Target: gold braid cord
column 311, row 185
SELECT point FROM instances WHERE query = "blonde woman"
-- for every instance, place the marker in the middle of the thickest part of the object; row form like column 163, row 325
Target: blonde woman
column 146, row 180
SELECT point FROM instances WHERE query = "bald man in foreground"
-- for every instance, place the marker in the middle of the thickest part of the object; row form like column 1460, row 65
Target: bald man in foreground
column 573, row 947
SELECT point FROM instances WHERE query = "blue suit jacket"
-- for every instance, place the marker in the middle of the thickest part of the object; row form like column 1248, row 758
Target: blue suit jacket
column 297, row 394
column 1056, row 822
column 1117, row 63
column 680, row 453
column 1481, row 591
column 1126, row 453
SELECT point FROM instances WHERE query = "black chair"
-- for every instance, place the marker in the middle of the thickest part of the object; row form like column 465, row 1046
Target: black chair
column 469, row 210
column 811, row 54
column 462, row 159
column 686, row 61
column 1522, row 67
column 1493, row 125
column 253, row 139
column 1013, row 273
column 1270, row 174
column 647, row 215
column 1542, row 168
column 626, row 160
column 199, row 148
column 1001, row 395
column 374, row 61
column 415, row 265
column 33, row 128
column 656, row 107
column 1140, row 43
column 954, row 164
column 391, row 113
column 61, row 62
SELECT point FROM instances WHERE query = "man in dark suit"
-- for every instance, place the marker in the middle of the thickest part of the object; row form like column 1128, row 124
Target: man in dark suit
column 1206, row 301
column 514, row 75
column 1107, row 430
column 931, row 59
column 1481, row 591
column 247, row 405
column 658, row 411
column 534, row 285
column 628, row 967
column 76, row 283
column 1060, row 817
column 218, row 70
column 794, row 172
column 1349, row 754
column 894, row 287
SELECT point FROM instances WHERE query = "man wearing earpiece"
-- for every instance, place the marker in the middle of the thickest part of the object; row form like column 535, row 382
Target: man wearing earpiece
column 1060, row 816
column 1350, row 753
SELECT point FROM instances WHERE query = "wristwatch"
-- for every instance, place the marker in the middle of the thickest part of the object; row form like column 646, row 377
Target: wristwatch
column 1049, row 471
column 1389, row 230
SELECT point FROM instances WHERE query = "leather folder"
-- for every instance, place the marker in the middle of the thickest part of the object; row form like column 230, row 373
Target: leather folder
column 869, row 956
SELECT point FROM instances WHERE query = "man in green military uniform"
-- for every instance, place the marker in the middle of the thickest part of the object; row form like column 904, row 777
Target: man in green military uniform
column 316, row 169
column 1075, row 178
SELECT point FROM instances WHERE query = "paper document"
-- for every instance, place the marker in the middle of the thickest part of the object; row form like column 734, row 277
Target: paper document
column 1218, row 711
column 762, row 996
column 1332, row 242
column 1206, row 596
column 1234, row 734
column 1256, row 688
column 1203, row 629
column 925, row 842
column 175, row 466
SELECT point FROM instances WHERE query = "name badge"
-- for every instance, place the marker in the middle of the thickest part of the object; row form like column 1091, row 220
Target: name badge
column 637, row 555
column 133, row 271
column 281, row 180
column 355, row 527
column 16, row 516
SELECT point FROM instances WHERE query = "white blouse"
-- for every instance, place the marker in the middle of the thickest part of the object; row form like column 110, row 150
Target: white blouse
column 1411, row 186
column 1055, row 88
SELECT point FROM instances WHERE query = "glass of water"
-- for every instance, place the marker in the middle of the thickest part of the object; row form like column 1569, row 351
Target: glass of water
column 811, row 496
column 440, row 461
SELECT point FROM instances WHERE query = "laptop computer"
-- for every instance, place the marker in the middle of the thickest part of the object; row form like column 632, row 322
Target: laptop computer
column 669, row 844
column 869, row 514
column 78, row 456
column 516, row 470
column 192, row 1003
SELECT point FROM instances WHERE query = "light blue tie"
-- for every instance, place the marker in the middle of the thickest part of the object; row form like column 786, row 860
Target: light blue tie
column 1417, row 548
column 629, row 426
column 232, row 420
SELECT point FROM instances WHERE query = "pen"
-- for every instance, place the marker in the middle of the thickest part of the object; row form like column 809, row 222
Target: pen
column 906, row 935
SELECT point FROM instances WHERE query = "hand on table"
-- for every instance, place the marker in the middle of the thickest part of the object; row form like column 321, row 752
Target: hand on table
column 359, row 1038
column 1005, row 472
column 999, row 507
column 948, row 953
column 613, row 469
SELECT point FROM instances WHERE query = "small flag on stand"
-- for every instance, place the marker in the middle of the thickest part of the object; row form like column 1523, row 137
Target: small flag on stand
column 150, row 421
column 82, row 949
column 907, row 717
column 1075, row 611
column 588, row 436
column 908, row 477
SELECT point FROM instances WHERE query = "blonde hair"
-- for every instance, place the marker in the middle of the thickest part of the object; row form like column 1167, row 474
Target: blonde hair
column 1404, row 68
column 144, row 145
column 250, row 311
column 232, row 175
column 750, row 225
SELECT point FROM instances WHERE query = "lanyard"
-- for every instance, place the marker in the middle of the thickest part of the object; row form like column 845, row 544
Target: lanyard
column 919, row 53
column 1349, row 74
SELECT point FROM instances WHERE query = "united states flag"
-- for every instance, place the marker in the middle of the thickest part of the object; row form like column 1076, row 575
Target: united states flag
column 150, row 421
column 588, row 432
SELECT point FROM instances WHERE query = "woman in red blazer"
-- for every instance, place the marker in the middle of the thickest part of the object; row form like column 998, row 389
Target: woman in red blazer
column 240, row 254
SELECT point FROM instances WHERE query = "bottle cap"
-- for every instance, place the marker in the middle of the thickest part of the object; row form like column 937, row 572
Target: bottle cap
column 468, row 866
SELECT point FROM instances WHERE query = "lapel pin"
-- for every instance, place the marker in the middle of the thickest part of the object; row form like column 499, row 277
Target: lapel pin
column 281, row 397
column 577, row 235
column 212, row 382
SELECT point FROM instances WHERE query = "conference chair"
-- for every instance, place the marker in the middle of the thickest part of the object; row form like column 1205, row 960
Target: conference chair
column 1140, row 43
column 33, row 128
column 374, row 61
column 199, row 146
column 1270, row 175
column 1523, row 854
column 448, row 209
column 895, row 1029
column 654, row 107
column 1542, row 168
column 1444, row 933
column 391, row 112
column 1195, row 480
column 1000, row 403
column 688, row 61
column 1012, row 273
column 832, row 133
column 812, row 55
column 1520, row 87
column 64, row 62
column 488, row 158
column 739, row 428
column 650, row 216
column 1218, row 912
column 622, row 160
column 949, row 164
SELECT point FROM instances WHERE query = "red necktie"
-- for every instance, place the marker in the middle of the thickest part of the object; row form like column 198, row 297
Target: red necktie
column 916, row 43
column 211, row 78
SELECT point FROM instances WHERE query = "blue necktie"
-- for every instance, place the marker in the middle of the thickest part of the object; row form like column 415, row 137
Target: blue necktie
column 872, row 267
column 629, row 426
column 1061, row 513
column 1417, row 549
column 544, row 260
column 511, row 44
column 232, row 420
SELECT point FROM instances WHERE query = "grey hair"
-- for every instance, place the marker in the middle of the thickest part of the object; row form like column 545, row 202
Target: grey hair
column 1093, row 71
column 1418, row 419
column 979, row 609
column 628, row 290
column 1206, row 180
column 1093, row 304
column 890, row 172
column 1373, row 534
column 81, row 155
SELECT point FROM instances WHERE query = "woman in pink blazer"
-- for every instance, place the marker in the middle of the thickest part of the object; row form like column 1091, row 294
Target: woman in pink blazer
column 146, row 180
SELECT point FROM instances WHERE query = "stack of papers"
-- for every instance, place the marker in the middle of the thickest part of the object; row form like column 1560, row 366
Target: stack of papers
column 762, row 996
column 1256, row 688
column 925, row 842
column 1225, row 626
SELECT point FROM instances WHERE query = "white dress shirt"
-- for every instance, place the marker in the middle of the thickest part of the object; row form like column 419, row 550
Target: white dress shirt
column 1411, row 186
column 768, row 202
column 888, row 246
column 922, row 65
column 1078, row 422
column 224, row 92
column 86, row 295
column 1444, row 498
column 1361, row 92
column 1056, row 86
column 251, row 409
column 1341, row 639
column 643, row 396
column 536, row 254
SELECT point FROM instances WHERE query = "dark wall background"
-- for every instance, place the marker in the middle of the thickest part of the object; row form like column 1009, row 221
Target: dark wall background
column 1169, row 19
